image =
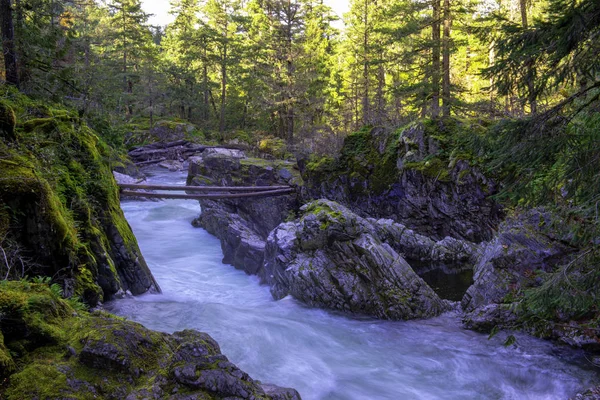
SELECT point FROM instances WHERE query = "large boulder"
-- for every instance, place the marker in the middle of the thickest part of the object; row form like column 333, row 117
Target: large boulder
column 242, row 225
column 412, row 176
column 60, row 214
column 333, row 258
column 508, row 262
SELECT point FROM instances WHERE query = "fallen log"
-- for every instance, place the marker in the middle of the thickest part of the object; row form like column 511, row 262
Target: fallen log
column 151, row 161
column 204, row 188
column 213, row 196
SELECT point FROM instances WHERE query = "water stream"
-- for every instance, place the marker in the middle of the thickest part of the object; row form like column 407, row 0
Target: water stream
column 321, row 354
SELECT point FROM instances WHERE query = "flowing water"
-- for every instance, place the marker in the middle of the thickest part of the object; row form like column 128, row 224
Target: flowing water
column 322, row 354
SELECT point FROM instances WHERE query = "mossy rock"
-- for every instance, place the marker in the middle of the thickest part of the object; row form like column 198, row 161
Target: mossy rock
column 8, row 122
column 98, row 355
column 59, row 206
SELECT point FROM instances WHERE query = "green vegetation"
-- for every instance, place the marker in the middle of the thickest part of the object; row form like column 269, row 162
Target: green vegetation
column 51, row 349
column 60, row 205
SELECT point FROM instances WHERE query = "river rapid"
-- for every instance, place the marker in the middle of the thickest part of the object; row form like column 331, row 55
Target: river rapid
column 322, row 354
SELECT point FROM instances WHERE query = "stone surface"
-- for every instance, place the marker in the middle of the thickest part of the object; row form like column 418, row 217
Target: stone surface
column 403, row 176
column 98, row 355
column 493, row 316
column 333, row 258
column 415, row 246
column 508, row 262
column 243, row 225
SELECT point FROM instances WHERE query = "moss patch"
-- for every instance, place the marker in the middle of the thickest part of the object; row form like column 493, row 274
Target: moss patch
column 59, row 202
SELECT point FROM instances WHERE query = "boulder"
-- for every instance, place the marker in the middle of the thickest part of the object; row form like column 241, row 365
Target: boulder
column 509, row 261
column 333, row 258
column 408, row 176
column 242, row 225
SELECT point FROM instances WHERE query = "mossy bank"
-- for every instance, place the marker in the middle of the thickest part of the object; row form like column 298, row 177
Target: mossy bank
column 59, row 205
column 51, row 349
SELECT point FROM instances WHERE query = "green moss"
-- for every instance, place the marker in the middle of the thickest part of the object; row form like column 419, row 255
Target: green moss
column 8, row 121
column 432, row 168
column 274, row 146
column 38, row 381
column 58, row 192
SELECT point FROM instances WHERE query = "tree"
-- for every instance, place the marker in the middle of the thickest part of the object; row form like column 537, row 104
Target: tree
column 132, row 39
column 8, row 43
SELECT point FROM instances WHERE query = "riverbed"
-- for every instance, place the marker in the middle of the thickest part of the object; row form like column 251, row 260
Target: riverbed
column 325, row 355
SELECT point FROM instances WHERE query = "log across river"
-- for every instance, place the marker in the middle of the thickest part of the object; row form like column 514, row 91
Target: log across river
column 322, row 354
column 206, row 192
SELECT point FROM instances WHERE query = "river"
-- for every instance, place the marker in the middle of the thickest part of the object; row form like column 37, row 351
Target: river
column 322, row 354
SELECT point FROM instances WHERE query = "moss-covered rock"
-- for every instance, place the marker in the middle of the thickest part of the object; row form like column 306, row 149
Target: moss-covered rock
column 63, row 352
column 415, row 175
column 333, row 258
column 243, row 225
column 60, row 213
column 8, row 121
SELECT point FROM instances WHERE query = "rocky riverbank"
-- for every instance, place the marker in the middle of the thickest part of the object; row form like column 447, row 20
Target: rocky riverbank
column 429, row 199
column 51, row 349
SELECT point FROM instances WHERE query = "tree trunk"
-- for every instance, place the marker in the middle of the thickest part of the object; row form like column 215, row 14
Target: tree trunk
column 8, row 43
column 446, row 60
column 530, row 74
column 223, row 81
column 435, row 61
column 366, row 111
column 206, row 107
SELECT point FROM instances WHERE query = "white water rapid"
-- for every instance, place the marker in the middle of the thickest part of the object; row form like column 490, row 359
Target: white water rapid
column 321, row 354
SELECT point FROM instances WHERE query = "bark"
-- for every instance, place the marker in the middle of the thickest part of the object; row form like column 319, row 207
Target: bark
column 223, row 81
column 366, row 111
column 8, row 43
column 530, row 74
column 446, row 60
column 435, row 61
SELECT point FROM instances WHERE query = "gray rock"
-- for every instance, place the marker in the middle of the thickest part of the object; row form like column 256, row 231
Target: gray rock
column 279, row 393
column 509, row 260
column 243, row 225
column 333, row 258
column 415, row 246
column 384, row 176
column 484, row 319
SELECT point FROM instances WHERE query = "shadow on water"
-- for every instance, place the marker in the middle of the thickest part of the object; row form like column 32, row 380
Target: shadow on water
column 449, row 281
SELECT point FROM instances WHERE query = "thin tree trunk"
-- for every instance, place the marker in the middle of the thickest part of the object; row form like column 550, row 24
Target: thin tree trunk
column 8, row 43
column 223, row 81
column 366, row 111
column 435, row 61
column 446, row 60
column 530, row 74
column 206, row 107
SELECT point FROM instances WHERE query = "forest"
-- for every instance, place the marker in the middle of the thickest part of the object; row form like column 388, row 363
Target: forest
column 284, row 70
column 456, row 133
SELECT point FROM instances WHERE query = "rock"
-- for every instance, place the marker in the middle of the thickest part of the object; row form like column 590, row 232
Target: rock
column 102, row 356
column 65, row 213
column 486, row 318
column 419, row 247
column 230, row 153
column 590, row 394
column 404, row 176
column 8, row 122
column 333, row 258
column 508, row 262
column 242, row 225
column 172, row 165
column 279, row 393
